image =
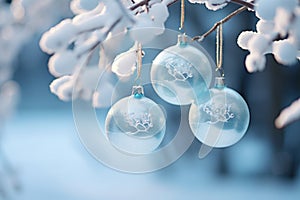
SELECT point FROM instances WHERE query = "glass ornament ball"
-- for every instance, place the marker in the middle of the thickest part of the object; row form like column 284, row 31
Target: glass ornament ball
column 181, row 74
column 223, row 120
column 135, row 124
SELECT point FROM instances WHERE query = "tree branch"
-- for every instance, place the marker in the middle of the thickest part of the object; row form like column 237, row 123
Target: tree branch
column 249, row 5
column 135, row 6
column 244, row 3
column 215, row 26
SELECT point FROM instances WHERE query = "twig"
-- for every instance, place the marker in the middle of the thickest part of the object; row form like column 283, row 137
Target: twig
column 172, row 2
column 244, row 3
column 249, row 5
column 145, row 2
column 215, row 26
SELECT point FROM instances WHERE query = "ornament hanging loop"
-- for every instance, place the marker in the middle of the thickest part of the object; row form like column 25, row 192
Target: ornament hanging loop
column 219, row 50
column 140, row 55
column 182, row 15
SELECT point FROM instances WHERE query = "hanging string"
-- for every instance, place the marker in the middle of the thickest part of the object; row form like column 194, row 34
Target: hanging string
column 182, row 15
column 219, row 49
column 139, row 62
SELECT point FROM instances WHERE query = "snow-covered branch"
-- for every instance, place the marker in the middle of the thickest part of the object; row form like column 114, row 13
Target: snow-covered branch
column 90, row 29
column 219, row 4
column 278, row 33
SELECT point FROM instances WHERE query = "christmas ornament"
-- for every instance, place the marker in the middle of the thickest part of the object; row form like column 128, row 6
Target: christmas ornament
column 135, row 124
column 223, row 120
column 182, row 73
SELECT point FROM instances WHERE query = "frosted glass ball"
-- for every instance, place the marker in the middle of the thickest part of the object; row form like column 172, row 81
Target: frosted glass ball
column 135, row 124
column 222, row 121
column 181, row 74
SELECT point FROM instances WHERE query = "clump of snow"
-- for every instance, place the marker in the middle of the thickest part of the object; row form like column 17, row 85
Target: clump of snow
column 125, row 63
column 285, row 52
column 62, row 63
column 58, row 37
column 265, row 27
column 288, row 115
column 212, row 4
column 255, row 62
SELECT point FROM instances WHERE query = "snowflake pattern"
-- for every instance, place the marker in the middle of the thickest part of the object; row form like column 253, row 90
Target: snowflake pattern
column 218, row 113
column 142, row 122
column 179, row 69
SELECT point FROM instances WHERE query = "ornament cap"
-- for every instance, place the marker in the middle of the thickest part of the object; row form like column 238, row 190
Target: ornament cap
column 182, row 40
column 138, row 91
column 220, row 82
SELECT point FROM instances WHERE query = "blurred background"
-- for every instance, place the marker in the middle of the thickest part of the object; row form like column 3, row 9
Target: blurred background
column 41, row 156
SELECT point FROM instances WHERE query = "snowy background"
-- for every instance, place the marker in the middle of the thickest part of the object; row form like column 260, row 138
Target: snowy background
column 42, row 145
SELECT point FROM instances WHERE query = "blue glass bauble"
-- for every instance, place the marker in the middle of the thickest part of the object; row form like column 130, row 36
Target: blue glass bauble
column 181, row 74
column 223, row 120
column 135, row 124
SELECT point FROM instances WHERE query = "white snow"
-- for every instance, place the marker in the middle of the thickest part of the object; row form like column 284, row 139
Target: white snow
column 255, row 62
column 58, row 37
column 125, row 63
column 211, row 4
column 285, row 52
column 62, row 87
column 259, row 44
column 288, row 115
column 62, row 63
column 244, row 38
column 264, row 27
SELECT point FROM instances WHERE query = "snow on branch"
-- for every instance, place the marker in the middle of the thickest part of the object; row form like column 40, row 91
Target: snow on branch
column 277, row 32
column 219, row 4
column 288, row 115
column 73, row 41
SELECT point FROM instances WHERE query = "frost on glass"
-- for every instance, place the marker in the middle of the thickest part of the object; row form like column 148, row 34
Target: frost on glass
column 180, row 70
column 217, row 113
column 142, row 122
